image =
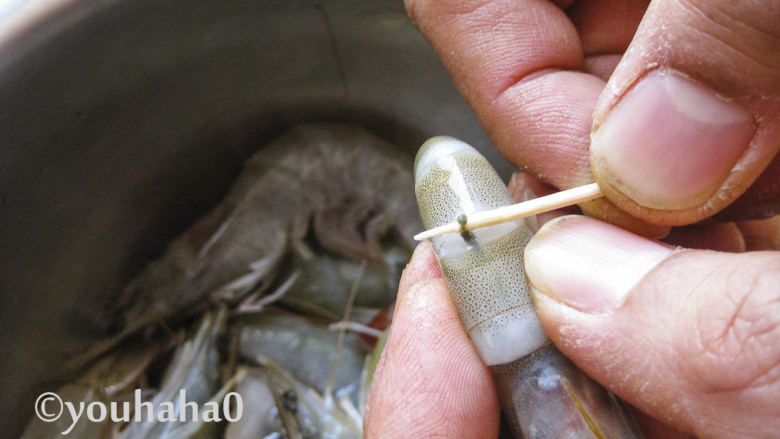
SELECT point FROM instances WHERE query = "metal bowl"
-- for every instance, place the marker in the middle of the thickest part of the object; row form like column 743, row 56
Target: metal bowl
column 121, row 121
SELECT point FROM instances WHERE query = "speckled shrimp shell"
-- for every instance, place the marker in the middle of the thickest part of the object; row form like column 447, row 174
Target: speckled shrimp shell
column 502, row 326
column 543, row 395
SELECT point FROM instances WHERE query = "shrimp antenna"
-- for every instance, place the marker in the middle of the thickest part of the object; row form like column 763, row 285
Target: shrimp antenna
column 516, row 211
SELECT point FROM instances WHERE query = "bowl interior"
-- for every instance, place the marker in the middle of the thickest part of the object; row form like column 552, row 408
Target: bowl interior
column 123, row 121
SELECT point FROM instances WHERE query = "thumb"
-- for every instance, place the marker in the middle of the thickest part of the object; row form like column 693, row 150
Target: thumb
column 691, row 116
column 689, row 337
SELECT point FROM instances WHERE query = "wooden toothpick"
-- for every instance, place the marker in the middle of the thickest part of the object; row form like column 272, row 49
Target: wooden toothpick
column 516, row 211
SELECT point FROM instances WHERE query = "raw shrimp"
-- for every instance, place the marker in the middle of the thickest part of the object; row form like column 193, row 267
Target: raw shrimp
column 542, row 394
column 291, row 389
column 300, row 410
column 335, row 185
column 318, row 226
column 106, row 381
column 261, row 417
column 287, row 339
column 195, row 369
column 341, row 180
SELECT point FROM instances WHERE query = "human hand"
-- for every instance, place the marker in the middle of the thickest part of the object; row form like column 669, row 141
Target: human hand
column 699, row 113
column 689, row 340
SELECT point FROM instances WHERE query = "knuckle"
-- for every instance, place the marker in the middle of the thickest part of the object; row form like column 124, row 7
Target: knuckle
column 736, row 340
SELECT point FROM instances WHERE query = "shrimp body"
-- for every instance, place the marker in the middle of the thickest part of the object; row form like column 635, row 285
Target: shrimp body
column 344, row 183
column 318, row 189
column 502, row 326
column 542, row 393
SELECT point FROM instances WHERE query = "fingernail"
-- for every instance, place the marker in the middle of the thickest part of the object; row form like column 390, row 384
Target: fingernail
column 587, row 264
column 423, row 265
column 670, row 142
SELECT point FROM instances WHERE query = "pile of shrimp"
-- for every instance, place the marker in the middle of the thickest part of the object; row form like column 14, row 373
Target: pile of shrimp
column 280, row 293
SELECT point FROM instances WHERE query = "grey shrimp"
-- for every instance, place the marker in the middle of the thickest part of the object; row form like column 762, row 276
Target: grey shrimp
column 337, row 185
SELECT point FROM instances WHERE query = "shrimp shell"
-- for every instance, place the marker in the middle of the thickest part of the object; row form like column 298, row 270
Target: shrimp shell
column 542, row 394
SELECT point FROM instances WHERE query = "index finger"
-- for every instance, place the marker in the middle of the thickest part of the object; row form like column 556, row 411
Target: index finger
column 517, row 65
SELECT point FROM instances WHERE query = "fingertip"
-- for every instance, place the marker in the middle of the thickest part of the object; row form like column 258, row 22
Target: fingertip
column 684, row 129
column 430, row 380
column 679, row 169
column 588, row 264
column 691, row 344
column 423, row 265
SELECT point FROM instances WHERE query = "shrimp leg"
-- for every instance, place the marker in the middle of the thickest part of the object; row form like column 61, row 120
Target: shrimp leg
column 542, row 393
